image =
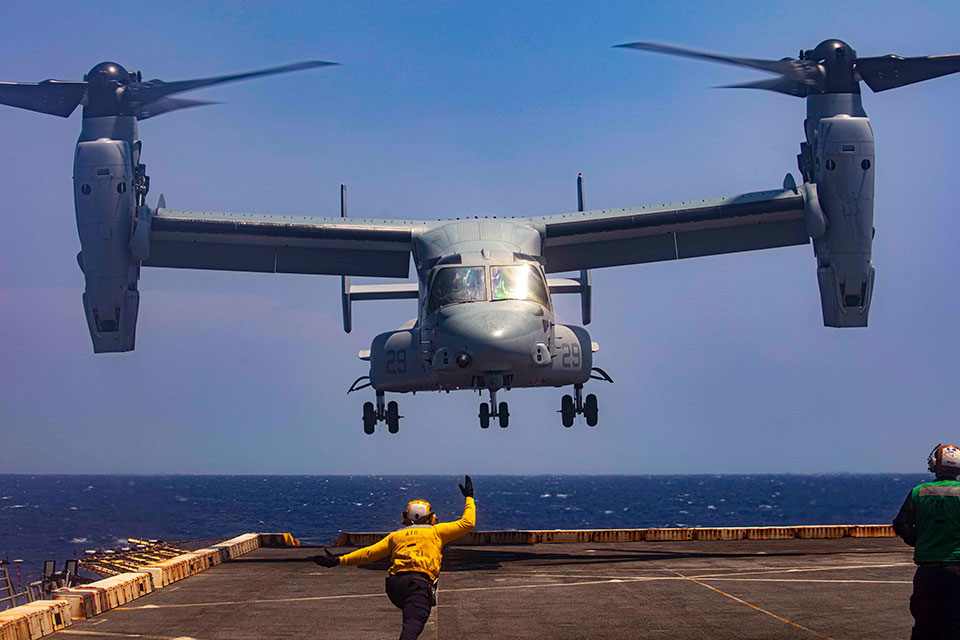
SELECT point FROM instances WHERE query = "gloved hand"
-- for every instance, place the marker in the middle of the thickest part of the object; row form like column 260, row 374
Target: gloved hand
column 467, row 488
column 328, row 560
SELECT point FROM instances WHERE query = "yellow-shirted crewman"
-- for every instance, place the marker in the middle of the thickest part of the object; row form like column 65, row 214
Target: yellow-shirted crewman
column 415, row 558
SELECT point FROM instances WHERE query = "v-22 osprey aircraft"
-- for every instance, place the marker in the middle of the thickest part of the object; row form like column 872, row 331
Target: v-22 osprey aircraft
column 485, row 319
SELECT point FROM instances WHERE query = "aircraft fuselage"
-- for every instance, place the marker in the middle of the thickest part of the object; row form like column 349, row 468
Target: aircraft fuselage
column 485, row 318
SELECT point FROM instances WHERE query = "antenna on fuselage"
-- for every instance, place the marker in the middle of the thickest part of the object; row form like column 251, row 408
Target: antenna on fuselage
column 345, row 280
column 580, row 192
column 586, row 286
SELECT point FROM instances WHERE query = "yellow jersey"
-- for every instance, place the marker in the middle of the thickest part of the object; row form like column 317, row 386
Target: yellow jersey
column 417, row 547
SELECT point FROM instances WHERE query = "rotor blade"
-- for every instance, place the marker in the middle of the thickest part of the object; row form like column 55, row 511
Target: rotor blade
column 888, row 72
column 147, row 92
column 780, row 85
column 55, row 97
column 166, row 105
column 792, row 68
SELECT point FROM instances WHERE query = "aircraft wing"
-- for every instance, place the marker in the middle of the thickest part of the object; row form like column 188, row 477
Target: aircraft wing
column 276, row 244
column 632, row 235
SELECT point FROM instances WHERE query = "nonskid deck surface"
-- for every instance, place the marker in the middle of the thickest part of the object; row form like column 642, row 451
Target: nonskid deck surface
column 846, row 588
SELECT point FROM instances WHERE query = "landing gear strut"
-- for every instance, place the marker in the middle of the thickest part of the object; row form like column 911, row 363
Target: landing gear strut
column 493, row 410
column 382, row 411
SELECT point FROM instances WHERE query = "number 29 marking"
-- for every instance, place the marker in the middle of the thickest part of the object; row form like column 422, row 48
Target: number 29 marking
column 571, row 355
column 396, row 361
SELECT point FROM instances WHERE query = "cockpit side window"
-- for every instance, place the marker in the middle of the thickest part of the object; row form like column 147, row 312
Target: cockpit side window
column 457, row 284
column 519, row 282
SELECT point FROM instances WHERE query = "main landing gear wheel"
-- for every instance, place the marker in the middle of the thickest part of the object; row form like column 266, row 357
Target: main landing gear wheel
column 590, row 410
column 484, row 416
column 393, row 417
column 504, row 415
column 567, row 411
column 572, row 406
column 369, row 418
column 380, row 412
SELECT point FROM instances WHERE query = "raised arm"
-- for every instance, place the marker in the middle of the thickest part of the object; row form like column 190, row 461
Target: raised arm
column 449, row 531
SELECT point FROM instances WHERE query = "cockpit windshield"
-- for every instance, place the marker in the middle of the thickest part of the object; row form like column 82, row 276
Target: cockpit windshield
column 519, row 282
column 457, row 284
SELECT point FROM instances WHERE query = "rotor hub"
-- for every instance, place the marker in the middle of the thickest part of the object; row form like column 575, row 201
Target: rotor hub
column 105, row 83
column 108, row 73
column 837, row 60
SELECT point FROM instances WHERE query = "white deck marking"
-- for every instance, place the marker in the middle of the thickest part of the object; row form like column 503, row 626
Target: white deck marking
column 261, row 601
column 552, row 585
column 804, row 569
column 825, row 580
column 756, row 608
column 732, row 571
column 116, row 634
column 373, row 595
column 731, row 578
column 732, row 574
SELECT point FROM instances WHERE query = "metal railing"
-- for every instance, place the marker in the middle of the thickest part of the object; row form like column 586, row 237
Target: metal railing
column 9, row 595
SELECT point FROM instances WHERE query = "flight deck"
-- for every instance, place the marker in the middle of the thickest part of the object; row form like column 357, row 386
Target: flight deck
column 847, row 587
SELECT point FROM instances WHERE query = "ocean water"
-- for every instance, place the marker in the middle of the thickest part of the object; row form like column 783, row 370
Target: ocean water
column 55, row 517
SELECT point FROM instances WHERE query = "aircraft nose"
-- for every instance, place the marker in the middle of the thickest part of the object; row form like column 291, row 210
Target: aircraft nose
column 496, row 339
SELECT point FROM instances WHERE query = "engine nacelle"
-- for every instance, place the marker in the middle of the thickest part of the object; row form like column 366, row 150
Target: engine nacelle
column 105, row 204
column 844, row 177
column 396, row 363
column 571, row 357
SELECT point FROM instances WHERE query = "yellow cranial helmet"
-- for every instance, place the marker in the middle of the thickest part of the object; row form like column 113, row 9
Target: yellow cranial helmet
column 419, row 512
column 945, row 458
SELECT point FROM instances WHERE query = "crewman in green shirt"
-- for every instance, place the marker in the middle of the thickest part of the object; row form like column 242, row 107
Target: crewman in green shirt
column 929, row 521
column 415, row 558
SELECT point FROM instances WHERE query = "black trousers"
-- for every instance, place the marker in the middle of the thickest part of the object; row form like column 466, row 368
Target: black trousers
column 410, row 592
column 935, row 603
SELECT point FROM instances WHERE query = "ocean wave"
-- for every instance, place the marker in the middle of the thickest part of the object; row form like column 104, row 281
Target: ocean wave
column 227, row 505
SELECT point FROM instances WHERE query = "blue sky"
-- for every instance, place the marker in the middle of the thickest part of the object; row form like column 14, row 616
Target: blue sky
column 722, row 364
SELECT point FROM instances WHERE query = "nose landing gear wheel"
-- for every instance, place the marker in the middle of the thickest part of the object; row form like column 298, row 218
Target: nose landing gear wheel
column 393, row 417
column 494, row 410
column 567, row 411
column 369, row 418
column 590, row 410
column 484, row 416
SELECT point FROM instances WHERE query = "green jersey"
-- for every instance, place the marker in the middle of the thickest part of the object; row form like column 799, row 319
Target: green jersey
column 931, row 513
